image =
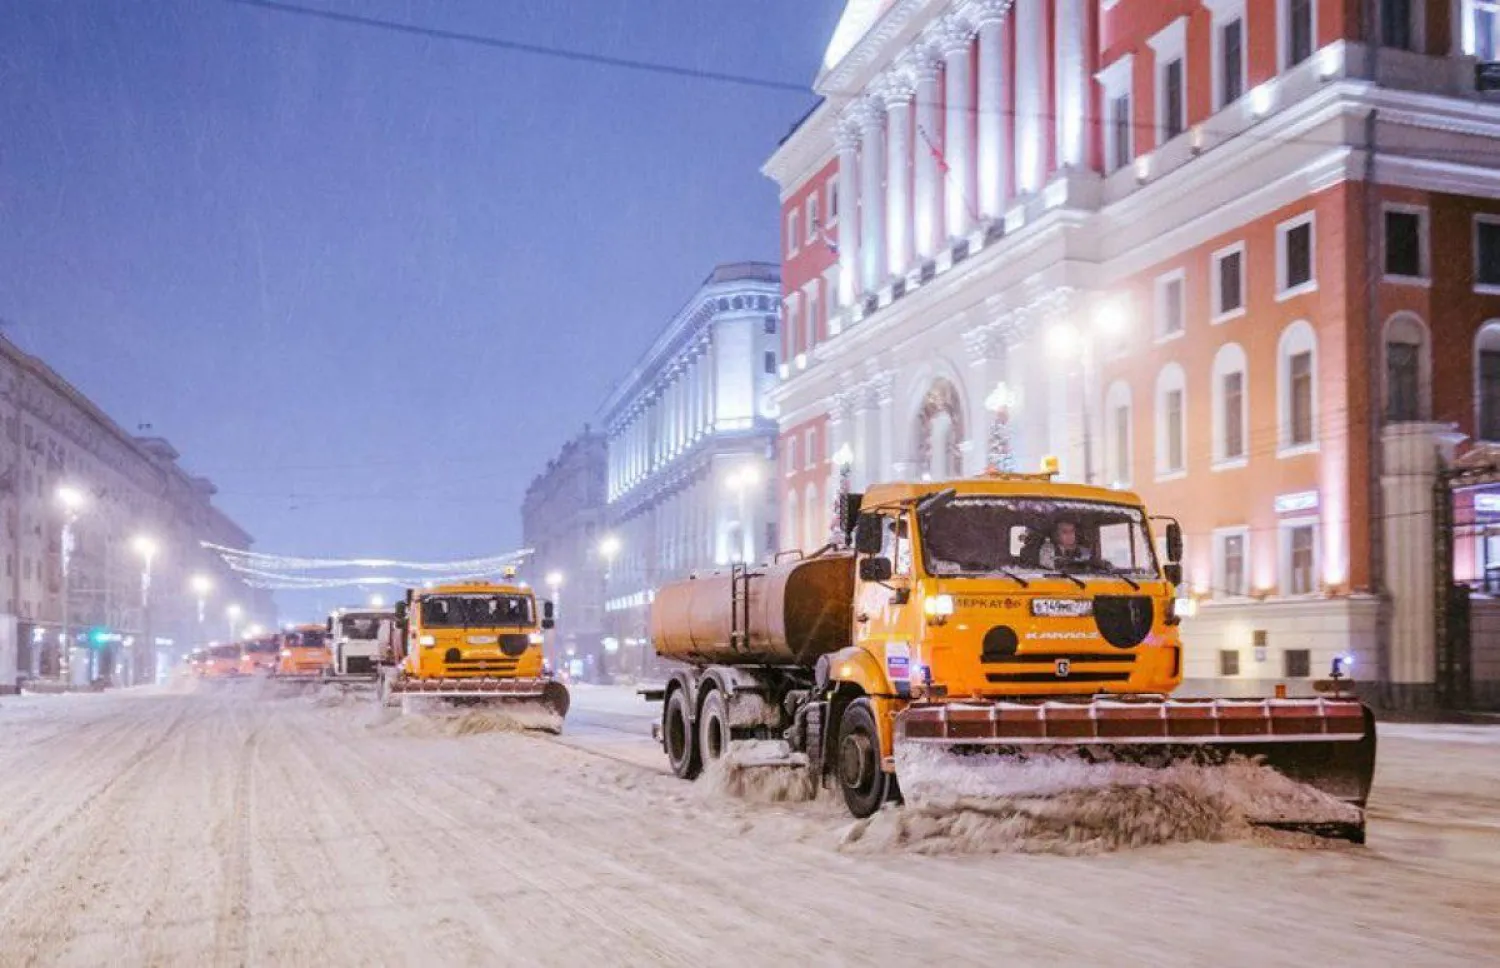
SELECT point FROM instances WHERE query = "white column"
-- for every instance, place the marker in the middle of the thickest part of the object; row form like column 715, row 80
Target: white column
column 993, row 153
column 871, row 196
column 1030, row 68
column 898, row 97
column 1071, row 32
column 957, row 149
column 927, row 216
column 883, row 467
column 849, row 213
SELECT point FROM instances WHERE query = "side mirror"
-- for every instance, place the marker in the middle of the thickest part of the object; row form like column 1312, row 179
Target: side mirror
column 330, row 625
column 549, row 615
column 875, row 569
column 1172, row 572
column 401, row 614
column 868, row 534
column 1174, row 542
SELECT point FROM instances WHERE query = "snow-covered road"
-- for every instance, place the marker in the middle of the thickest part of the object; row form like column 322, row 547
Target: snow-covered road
column 221, row 828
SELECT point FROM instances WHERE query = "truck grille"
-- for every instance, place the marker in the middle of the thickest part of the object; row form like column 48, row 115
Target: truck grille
column 358, row 665
column 480, row 667
column 1061, row 667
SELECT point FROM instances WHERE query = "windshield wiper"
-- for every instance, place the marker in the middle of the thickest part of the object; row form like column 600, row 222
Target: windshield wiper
column 1015, row 578
column 1114, row 572
column 1072, row 578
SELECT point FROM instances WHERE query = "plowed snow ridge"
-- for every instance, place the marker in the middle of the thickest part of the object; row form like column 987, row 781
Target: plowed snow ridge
column 217, row 828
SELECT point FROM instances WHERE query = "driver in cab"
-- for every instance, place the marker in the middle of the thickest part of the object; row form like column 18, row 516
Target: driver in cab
column 1064, row 547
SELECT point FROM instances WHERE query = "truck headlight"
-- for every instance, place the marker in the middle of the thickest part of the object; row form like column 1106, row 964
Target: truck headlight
column 536, row 638
column 286, row 653
column 938, row 606
column 427, row 641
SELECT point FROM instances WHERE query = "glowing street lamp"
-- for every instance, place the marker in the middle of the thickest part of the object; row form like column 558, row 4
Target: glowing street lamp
column 999, row 457
column 377, row 601
column 233, row 613
column 73, row 502
column 145, row 546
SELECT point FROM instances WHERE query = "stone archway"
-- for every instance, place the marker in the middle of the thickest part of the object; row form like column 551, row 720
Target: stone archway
column 940, row 431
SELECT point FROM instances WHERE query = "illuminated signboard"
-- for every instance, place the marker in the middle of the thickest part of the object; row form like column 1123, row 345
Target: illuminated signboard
column 1299, row 501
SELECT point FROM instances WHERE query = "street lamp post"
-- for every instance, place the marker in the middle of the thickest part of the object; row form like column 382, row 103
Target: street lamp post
column 609, row 549
column 1067, row 340
column 201, row 586
column 554, row 586
column 999, row 456
column 73, row 502
column 843, row 459
column 233, row 612
column 137, row 664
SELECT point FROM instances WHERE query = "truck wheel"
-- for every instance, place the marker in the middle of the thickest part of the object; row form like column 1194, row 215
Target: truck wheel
column 679, row 737
column 856, row 763
column 713, row 727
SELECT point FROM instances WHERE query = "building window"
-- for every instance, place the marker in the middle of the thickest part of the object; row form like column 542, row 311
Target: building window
column 770, row 361
column 1174, row 121
column 1481, row 29
column 1487, row 381
column 1296, row 664
column 1299, row 29
column 1229, row 282
column 1229, row 662
column 1396, row 23
column 1118, row 433
column 1231, row 36
column 1407, row 369
column 1295, row 257
column 1300, row 558
column 1230, row 410
column 1297, row 384
column 1170, row 48
column 812, row 447
column 1171, row 311
column 1231, row 560
column 813, row 226
column 792, row 238
column 1300, row 368
column 1120, row 125
column 1171, row 415
column 831, row 192
column 1405, row 243
column 1487, row 253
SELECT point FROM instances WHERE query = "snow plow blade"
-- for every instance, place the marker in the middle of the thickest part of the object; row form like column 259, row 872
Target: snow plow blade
column 1326, row 744
column 546, row 693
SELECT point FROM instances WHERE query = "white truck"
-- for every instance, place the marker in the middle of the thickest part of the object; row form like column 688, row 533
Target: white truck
column 362, row 637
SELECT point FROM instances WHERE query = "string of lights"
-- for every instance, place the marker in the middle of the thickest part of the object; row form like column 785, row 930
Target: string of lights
column 292, row 573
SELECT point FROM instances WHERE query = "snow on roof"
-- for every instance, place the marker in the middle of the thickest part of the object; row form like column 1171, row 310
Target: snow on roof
column 859, row 16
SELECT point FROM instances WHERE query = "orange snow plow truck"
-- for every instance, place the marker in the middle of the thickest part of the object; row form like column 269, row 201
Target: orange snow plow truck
column 473, row 644
column 1007, row 614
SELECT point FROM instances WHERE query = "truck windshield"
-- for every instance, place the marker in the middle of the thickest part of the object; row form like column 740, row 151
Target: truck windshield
column 262, row 646
column 360, row 627
column 307, row 640
column 984, row 535
column 225, row 652
column 476, row 611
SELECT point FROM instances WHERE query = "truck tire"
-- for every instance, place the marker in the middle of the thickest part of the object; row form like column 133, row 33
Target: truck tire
column 678, row 736
column 713, row 727
column 856, row 761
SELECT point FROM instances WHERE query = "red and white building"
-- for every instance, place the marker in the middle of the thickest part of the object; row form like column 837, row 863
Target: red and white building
column 1240, row 256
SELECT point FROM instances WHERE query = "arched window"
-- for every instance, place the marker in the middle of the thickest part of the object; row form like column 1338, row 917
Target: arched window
column 1119, row 436
column 1171, row 421
column 1231, row 405
column 1297, row 389
column 1487, row 381
column 791, row 535
column 813, row 520
column 940, row 432
column 1408, row 369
